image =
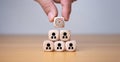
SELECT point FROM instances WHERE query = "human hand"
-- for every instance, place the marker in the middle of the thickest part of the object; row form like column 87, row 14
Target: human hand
column 51, row 10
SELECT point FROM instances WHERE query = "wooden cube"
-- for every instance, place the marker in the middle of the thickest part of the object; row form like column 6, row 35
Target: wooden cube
column 70, row 45
column 48, row 45
column 58, row 22
column 65, row 35
column 53, row 35
column 59, row 46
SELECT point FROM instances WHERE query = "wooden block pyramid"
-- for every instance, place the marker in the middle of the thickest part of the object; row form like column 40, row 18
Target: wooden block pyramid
column 59, row 40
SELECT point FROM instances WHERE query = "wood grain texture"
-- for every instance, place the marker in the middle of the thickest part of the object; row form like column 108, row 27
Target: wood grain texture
column 90, row 48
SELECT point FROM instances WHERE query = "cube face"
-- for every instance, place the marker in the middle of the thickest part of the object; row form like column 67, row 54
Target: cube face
column 70, row 45
column 48, row 45
column 59, row 22
column 65, row 35
column 59, row 46
column 53, row 35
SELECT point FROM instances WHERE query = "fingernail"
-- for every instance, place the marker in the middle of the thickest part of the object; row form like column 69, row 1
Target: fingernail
column 50, row 16
column 66, row 18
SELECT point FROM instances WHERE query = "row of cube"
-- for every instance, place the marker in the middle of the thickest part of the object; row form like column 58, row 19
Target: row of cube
column 59, row 45
column 55, row 35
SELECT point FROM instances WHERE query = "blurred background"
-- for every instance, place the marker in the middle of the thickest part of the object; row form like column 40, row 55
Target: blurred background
column 87, row 17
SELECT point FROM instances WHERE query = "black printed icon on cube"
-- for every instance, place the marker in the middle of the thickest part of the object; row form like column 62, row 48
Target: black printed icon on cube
column 59, row 46
column 70, row 45
column 53, row 35
column 65, row 35
column 48, row 45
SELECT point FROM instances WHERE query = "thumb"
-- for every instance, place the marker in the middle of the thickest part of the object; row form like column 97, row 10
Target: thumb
column 66, row 8
column 49, row 8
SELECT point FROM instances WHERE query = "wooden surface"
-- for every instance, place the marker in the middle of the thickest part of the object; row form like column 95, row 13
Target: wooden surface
column 90, row 48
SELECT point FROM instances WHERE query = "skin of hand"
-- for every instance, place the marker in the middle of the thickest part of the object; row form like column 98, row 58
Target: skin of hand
column 51, row 10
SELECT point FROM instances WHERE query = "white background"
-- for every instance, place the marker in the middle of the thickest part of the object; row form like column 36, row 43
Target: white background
column 87, row 17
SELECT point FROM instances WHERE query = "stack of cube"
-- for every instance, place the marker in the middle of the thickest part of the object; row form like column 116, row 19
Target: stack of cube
column 59, row 40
